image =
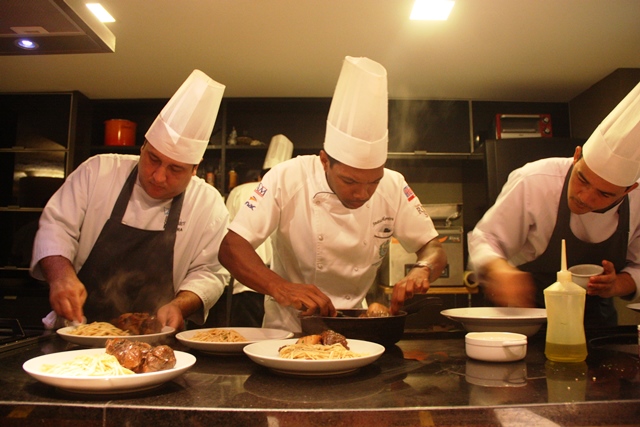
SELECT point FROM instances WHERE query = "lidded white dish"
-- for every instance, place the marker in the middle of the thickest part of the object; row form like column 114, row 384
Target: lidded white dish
column 496, row 346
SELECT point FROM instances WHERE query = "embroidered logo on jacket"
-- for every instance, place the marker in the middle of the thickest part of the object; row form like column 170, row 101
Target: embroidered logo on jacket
column 260, row 190
column 408, row 192
column 251, row 203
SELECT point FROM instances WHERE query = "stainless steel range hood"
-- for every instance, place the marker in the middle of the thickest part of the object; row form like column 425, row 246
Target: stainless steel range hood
column 57, row 26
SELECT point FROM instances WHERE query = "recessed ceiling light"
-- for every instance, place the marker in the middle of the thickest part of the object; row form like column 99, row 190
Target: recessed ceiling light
column 100, row 12
column 26, row 44
column 431, row 10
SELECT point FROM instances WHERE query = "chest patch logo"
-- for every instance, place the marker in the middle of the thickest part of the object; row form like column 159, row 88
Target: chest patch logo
column 408, row 193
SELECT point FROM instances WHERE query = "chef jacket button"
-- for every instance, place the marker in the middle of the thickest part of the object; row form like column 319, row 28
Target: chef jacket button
column 320, row 237
column 319, row 266
column 347, row 297
column 355, row 269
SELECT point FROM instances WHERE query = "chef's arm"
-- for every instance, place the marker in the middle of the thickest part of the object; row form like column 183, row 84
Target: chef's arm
column 238, row 256
column 181, row 307
column 432, row 259
column 67, row 294
column 506, row 285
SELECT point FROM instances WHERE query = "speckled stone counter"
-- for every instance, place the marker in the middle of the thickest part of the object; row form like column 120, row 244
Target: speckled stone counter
column 425, row 380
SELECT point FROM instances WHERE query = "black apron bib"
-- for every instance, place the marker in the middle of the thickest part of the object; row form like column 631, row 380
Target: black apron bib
column 598, row 311
column 130, row 270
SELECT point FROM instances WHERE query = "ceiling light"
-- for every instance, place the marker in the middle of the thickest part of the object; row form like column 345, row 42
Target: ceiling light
column 26, row 44
column 100, row 12
column 431, row 10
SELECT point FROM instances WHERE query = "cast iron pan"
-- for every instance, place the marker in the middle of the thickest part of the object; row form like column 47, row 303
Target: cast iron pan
column 382, row 330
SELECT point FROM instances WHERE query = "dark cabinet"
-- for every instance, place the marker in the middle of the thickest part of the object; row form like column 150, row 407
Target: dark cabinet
column 38, row 133
column 38, row 136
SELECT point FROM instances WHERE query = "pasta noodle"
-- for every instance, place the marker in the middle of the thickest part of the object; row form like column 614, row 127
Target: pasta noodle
column 88, row 365
column 98, row 329
column 317, row 352
column 218, row 335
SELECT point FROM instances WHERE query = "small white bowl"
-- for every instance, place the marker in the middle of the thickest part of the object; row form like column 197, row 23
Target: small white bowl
column 496, row 346
column 581, row 273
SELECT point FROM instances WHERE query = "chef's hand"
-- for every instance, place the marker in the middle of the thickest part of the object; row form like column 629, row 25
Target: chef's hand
column 181, row 307
column 506, row 286
column 414, row 283
column 67, row 294
column 306, row 298
column 171, row 315
column 609, row 284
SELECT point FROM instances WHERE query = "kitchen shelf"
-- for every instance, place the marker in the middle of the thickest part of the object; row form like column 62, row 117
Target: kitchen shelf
column 422, row 155
column 38, row 136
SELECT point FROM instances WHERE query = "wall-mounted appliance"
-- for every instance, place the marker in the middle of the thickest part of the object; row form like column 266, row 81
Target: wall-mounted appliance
column 509, row 126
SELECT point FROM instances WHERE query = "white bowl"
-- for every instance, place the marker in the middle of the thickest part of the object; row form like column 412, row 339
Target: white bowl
column 525, row 321
column 496, row 346
column 581, row 273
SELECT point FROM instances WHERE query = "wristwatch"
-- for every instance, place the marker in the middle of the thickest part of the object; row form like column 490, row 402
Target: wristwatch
column 424, row 264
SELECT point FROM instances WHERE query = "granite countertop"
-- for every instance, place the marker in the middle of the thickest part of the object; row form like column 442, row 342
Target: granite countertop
column 425, row 379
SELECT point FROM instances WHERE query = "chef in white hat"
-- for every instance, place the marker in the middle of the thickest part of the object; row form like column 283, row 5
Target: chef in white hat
column 331, row 216
column 588, row 200
column 128, row 233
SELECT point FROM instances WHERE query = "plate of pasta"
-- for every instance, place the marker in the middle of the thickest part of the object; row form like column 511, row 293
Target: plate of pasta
column 226, row 341
column 96, row 334
column 287, row 357
column 92, row 371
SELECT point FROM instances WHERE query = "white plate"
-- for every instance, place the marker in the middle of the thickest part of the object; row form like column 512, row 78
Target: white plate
column 634, row 307
column 101, row 341
column 103, row 385
column 251, row 334
column 265, row 353
column 525, row 321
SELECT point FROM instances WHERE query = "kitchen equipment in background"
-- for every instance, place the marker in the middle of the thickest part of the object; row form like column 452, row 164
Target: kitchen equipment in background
column 398, row 262
column 509, row 126
column 119, row 132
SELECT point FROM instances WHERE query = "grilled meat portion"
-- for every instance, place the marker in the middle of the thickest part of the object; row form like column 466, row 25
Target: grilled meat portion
column 138, row 323
column 141, row 357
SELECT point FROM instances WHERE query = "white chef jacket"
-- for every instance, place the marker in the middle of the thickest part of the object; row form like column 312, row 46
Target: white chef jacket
column 316, row 240
column 236, row 198
column 519, row 225
column 75, row 215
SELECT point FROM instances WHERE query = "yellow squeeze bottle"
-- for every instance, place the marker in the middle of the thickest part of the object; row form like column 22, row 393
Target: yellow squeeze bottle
column 565, row 300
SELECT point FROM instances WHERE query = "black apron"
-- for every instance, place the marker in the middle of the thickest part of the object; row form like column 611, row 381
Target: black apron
column 130, row 270
column 598, row 311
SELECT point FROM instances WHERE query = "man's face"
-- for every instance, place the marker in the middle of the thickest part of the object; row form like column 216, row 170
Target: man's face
column 161, row 177
column 588, row 192
column 354, row 187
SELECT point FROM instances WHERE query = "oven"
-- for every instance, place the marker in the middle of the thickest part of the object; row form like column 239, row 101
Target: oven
column 398, row 262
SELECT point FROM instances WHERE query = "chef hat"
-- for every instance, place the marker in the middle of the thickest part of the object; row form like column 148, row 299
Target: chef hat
column 357, row 133
column 613, row 149
column 280, row 150
column 183, row 128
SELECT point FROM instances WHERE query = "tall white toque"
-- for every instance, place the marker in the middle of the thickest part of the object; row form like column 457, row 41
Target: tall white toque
column 613, row 149
column 280, row 149
column 357, row 132
column 183, row 128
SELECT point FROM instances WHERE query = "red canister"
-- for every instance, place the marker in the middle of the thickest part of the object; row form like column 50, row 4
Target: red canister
column 119, row 132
